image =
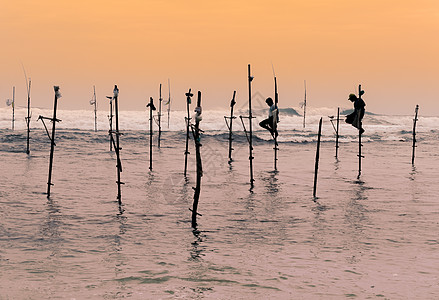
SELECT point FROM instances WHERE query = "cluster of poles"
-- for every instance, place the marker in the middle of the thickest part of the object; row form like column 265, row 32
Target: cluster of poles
column 194, row 128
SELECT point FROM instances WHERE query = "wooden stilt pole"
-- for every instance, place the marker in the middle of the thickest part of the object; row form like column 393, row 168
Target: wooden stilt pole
column 151, row 108
column 54, row 120
column 336, row 130
column 169, row 101
column 115, row 142
column 188, row 124
column 250, row 116
column 96, row 108
column 110, row 119
column 337, row 133
column 230, row 126
column 13, row 108
column 359, row 155
column 414, row 134
column 249, row 133
column 316, row 168
column 94, row 103
column 117, row 147
column 304, row 106
column 159, row 117
column 275, row 121
column 360, row 145
column 196, row 133
column 28, row 117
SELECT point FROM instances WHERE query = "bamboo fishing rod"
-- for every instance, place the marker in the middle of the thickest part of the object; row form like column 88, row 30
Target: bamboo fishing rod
column 54, row 120
column 188, row 124
column 196, row 133
column 414, row 134
column 230, row 126
column 151, row 108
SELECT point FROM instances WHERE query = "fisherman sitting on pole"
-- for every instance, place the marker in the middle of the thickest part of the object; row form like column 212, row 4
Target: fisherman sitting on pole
column 355, row 117
column 269, row 123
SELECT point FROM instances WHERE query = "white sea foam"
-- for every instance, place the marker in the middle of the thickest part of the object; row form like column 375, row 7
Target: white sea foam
column 382, row 127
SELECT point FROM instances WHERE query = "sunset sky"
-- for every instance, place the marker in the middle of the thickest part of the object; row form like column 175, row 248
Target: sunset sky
column 390, row 47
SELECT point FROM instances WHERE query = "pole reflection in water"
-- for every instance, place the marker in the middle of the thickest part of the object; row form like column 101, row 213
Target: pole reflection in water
column 197, row 249
column 116, row 257
column 51, row 242
column 355, row 218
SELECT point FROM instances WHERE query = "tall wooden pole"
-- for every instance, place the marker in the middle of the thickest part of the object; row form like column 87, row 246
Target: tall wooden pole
column 188, row 124
column 316, row 168
column 117, row 146
column 28, row 117
column 52, row 139
column 169, row 101
column 95, row 108
column 336, row 132
column 304, row 106
column 110, row 119
column 151, row 108
column 414, row 134
column 250, row 116
column 230, row 125
column 13, row 108
column 275, row 120
column 196, row 133
column 360, row 156
column 160, row 116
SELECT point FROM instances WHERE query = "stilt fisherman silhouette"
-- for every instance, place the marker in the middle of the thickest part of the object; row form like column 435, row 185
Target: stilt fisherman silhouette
column 271, row 122
column 357, row 115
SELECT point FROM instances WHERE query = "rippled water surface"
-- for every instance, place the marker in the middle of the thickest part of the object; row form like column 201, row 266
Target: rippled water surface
column 376, row 238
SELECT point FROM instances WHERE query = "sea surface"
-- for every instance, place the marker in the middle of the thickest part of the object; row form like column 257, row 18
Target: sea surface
column 376, row 237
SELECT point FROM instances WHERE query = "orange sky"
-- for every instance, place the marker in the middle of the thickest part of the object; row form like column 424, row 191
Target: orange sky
column 390, row 47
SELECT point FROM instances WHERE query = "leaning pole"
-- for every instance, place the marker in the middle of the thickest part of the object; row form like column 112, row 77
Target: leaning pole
column 54, row 120
column 316, row 167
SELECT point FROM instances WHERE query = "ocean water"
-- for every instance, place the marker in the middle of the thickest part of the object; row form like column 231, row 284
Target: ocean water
column 374, row 238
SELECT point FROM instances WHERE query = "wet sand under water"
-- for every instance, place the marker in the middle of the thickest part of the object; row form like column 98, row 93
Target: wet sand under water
column 374, row 238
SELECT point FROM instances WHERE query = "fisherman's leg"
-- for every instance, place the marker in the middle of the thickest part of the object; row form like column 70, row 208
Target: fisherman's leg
column 361, row 128
column 265, row 124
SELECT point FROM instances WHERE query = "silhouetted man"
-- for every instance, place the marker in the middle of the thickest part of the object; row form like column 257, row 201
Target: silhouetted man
column 358, row 114
column 270, row 123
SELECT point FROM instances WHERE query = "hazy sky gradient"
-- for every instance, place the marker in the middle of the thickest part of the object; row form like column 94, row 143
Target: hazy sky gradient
column 390, row 47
